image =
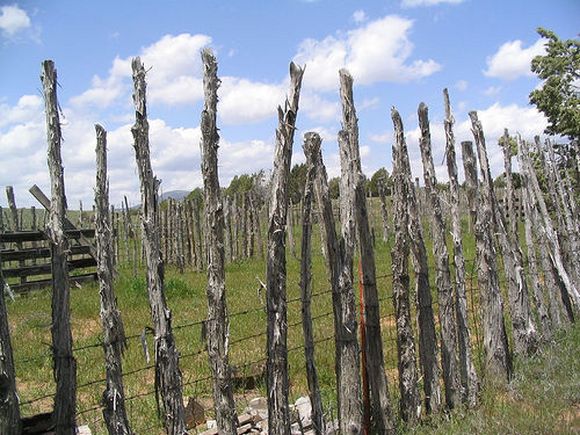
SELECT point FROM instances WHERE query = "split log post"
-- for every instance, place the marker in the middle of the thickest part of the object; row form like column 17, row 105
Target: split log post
column 311, row 146
column 447, row 308
column 277, row 332
column 9, row 402
column 505, row 143
column 353, row 203
column 64, row 363
column 347, row 363
column 428, row 351
column 217, row 324
column 498, row 363
column 471, row 181
column 114, row 343
column 468, row 375
column 410, row 401
column 167, row 374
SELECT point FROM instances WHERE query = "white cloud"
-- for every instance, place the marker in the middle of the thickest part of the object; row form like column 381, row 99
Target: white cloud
column 382, row 138
column 359, row 16
column 492, row 91
column 415, row 3
column 27, row 108
column 13, row 20
column 512, row 61
column 244, row 101
column 461, row 85
column 378, row 51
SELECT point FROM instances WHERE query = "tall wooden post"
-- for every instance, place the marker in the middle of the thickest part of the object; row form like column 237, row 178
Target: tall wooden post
column 114, row 343
column 498, row 362
column 312, row 143
column 471, row 181
column 167, row 373
column 64, row 363
column 277, row 376
column 353, row 203
column 347, row 363
column 218, row 325
column 410, row 401
column 447, row 309
column 469, row 381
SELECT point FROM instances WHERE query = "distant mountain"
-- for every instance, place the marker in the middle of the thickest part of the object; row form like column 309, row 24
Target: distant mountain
column 174, row 194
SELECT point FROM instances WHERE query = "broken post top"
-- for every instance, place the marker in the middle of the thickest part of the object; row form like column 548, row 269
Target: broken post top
column 448, row 115
column 140, row 87
column 312, row 143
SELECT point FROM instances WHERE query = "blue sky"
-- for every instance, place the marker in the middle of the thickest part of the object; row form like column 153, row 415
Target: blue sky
column 400, row 52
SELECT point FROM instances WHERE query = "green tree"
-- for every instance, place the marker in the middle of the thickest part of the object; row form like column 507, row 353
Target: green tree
column 559, row 98
column 240, row 184
column 380, row 179
column 297, row 182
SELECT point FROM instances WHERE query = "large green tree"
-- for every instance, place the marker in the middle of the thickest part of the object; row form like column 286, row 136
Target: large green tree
column 559, row 96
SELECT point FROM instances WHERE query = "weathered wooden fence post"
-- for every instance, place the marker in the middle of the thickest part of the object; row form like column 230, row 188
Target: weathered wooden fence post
column 9, row 402
column 114, row 343
column 531, row 243
column 16, row 224
column 512, row 219
column 277, row 370
column 410, row 401
column 347, row 363
column 469, row 381
column 217, row 325
column 428, row 351
column 524, row 331
column 447, row 308
column 471, row 181
column 498, row 362
column 167, row 373
column 353, row 202
column 64, row 362
column 312, row 143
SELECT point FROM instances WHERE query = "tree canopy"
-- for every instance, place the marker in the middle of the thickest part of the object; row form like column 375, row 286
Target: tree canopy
column 559, row 96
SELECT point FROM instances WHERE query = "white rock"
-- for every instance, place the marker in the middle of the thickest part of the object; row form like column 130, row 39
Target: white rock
column 211, row 424
column 304, row 408
column 84, row 430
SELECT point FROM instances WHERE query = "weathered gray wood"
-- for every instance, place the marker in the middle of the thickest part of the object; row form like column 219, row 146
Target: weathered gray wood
column 548, row 229
column 569, row 211
column 497, row 362
column 9, row 402
column 512, row 220
column 523, row 327
column 447, row 308
column 347, row 364
column 290, row 230
column 468, row 375
column 217, row 324
column 410, row 401
column 353, row 202
column 199, row 248
column 471, row 182
column 277, row 368
column 428, row 351
column 533, row 273
column 64, row 363
column 167, row 374
column 312, row 143
column 114, row 344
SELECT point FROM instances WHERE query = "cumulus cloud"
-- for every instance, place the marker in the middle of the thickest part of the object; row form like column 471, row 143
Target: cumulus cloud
column 415, row 3
column 512, row 60
column 13, row 20
column 378, row 51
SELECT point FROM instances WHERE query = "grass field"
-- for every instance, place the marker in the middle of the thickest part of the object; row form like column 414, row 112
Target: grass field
column 29, row 318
